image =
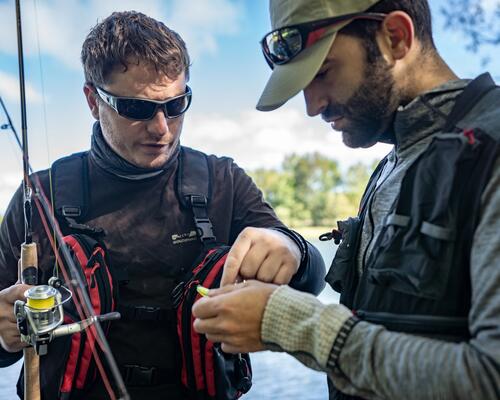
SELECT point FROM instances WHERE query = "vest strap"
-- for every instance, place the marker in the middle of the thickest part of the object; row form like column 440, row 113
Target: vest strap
column 194, row 192
column 436, row 231
column 138, row 375
column 203, row 224
column 471, row 95
column 398, row 220
column 145, row 313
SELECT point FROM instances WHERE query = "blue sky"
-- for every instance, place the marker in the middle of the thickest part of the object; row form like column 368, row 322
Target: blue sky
column 227, row 76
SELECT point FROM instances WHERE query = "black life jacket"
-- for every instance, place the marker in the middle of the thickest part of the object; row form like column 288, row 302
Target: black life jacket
column 417, row 277
column 69, row 368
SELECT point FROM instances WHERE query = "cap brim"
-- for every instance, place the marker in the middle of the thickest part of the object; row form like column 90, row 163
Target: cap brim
column 289, row 79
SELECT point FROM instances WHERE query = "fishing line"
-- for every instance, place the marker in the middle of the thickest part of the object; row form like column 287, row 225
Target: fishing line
column 45, row 125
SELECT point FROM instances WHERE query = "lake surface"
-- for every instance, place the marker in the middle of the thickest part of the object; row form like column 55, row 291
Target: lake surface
column 276, row 375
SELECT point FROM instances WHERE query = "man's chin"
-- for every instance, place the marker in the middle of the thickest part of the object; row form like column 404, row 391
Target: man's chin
column 358, row 140
column 154, row 161
column 150, row 162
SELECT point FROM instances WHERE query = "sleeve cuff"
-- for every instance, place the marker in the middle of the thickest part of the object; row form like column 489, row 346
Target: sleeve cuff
column 298, row 323
column 7, row 359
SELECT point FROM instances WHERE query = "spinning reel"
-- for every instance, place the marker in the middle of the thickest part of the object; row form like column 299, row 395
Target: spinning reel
column 40, row 318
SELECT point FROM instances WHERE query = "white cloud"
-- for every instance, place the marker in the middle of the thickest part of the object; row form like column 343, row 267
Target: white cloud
column 256, row 139
column 9, row 89
column 200, row 22
column 60, row 26
column 9, row 182
column 490, row 5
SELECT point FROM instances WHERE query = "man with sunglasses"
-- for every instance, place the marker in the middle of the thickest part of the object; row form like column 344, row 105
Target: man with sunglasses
column 136, row 71
column 419, row 268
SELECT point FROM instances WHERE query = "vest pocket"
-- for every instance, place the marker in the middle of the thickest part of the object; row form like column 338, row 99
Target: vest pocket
column 455, row 328
column 342, row 275
column 412, row 258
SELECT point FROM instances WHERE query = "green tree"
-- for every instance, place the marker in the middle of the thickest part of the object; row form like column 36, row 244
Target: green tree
column 279, row 192
column 314, row 179
column 355, row 181
column 310, row 189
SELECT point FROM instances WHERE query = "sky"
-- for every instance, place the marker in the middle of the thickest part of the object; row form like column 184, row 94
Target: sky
column 227, row 75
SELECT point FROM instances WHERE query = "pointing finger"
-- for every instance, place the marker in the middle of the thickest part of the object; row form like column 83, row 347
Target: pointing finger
column 235, row 258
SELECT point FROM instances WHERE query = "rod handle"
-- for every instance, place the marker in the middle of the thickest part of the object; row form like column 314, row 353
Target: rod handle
column 29, row 264
column 31, row 374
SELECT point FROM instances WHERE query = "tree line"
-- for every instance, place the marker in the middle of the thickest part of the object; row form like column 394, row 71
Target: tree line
column 312, row 190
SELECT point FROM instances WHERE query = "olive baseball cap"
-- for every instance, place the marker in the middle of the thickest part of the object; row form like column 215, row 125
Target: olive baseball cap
column 289, row 79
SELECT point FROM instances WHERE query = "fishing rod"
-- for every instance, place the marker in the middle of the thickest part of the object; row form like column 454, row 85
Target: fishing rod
column 10, row 125
column 28, row 265
column 40, row 318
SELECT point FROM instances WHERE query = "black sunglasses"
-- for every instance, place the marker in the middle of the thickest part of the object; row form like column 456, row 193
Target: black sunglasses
column 282, row 45
column 143, row 110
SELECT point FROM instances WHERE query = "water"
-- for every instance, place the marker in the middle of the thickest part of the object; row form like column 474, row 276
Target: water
column 8, row 379
column 276, row 375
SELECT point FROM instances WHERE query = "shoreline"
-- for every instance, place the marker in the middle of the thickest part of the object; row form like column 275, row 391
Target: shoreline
column 311, row 232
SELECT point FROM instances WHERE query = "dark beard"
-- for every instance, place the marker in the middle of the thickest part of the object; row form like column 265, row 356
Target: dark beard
column 370, row 110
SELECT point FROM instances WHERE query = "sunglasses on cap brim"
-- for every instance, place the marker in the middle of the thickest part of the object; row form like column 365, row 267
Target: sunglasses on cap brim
column 282, row 45
column 143, row 110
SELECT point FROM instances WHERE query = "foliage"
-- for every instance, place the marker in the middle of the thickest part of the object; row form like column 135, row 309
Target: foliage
column 478, row 20
column 311, row 189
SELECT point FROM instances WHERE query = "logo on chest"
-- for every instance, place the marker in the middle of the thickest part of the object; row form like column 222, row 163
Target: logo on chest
column 179, row 238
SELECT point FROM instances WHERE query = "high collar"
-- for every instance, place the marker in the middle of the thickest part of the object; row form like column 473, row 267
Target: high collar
column 108, row 160
column 426, row 114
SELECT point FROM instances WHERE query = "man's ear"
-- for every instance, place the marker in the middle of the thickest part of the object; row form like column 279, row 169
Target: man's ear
column 397, row 35
column 92, row 101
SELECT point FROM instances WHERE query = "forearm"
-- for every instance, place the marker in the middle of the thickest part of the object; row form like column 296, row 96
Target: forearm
column 376, row 363
column 299, row 324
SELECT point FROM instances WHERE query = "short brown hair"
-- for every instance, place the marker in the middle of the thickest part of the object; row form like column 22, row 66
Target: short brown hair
column 418, row 10
column 132, row 37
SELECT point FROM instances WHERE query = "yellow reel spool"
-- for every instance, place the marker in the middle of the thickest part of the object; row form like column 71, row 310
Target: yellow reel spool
column 41, row 297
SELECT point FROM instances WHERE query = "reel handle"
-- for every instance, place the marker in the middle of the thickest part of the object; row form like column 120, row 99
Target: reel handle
column 109, row 316
column 76, row 327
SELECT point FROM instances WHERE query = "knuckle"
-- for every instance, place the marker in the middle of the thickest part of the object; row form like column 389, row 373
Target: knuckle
column 285, row 252
column 264, row 276
column 246, row 233
column 224, row 327
column 247, row 271
column 287, row 265
column 283, row 279
column 220, row 308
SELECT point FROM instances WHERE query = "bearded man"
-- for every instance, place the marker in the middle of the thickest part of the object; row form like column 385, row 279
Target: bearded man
column 418, row 268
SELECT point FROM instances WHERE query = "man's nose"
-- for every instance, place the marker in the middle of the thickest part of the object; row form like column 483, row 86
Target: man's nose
column 316, row 103
column 159, row 124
